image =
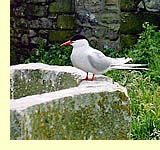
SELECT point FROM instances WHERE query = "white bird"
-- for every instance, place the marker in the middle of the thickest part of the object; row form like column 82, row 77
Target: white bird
column 94, row 61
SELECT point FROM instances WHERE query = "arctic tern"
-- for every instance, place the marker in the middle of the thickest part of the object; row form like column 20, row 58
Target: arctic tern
column 94, row 61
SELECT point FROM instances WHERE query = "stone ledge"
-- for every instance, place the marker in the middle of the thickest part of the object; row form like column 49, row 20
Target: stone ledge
column 85, row 110
column 38, row 78
column 81, row 113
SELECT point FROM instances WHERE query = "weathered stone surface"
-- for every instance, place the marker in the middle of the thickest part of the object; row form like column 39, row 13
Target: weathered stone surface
column 152, row 5
column 44, row 23
column 37, row 1
column 20, row 11
column 61, row 6
column 88, row 110
column 32, row 33
column 95, row 15
column 66, row 22
column 20, row 23
column 111, row 2
column 36, row 10
column 132, row 22
column 127, row 40
column 110, row 18
column 107, row 33
column 35, row 40
column 43, row 33
column 24, row 39
column 129, row 5
column 60, row 35
column 30, row 79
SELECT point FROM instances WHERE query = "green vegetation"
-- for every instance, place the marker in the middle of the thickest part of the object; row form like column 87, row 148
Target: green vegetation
column 143, row 86
column 55, row 55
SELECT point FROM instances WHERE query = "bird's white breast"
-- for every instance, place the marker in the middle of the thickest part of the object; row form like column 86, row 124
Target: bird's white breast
column 79, row 58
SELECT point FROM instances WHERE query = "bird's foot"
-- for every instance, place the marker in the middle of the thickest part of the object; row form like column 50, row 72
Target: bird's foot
column 87, row 79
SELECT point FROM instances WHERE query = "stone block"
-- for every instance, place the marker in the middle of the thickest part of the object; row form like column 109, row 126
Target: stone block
column 112, row 9
column 20, row 11
column 37, row 1
column 43, row 33
column 103, row 32
column 35, row 40
column 112, row 2
column 25, row 40
column 30, row 79
column 132, row 22
column 66, row 22
column 43, row 23
column 61, row 6
column 36, row 10
column 152, row 5
column 110, row 18
column 129, row 5
column 20, row 23
column 60, row 35
column 127, row 40
column 32, row 33
column 98, row 110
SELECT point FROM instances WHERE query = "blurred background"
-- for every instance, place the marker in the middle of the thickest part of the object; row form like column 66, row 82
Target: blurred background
column 108, row 24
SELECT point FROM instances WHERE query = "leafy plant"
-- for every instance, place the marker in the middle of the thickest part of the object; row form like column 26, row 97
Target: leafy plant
column 143, row 87
column 147, row 51
column 55, row 55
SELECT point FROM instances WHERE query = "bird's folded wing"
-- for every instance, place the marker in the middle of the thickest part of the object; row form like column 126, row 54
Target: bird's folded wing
column 99, row 61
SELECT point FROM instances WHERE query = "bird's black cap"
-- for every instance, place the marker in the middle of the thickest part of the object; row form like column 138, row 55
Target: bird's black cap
column 78, row 37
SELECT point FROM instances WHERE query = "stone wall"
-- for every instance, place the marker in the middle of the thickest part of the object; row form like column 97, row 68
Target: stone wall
column 52, row 20
column 133, row 14
column 57, row 20
column 99, row 20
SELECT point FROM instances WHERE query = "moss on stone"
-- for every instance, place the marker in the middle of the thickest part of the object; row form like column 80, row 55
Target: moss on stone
column 129, row 5
column 95, row 116
column 36, row 10
column 132, row 22
column 31, row 82
column 61, row 6
column 127, row 40
column 111, row 2
column 65, row 22
column 110, row 18
column 60, row 35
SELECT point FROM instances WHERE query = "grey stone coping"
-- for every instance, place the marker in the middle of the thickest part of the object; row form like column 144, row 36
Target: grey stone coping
column 86, row 111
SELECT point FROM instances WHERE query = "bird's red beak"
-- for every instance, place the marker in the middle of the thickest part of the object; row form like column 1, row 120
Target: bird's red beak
column 66, row 43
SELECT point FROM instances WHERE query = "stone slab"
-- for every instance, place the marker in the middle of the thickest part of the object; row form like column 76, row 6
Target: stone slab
column 38, row 78
column 91, row 111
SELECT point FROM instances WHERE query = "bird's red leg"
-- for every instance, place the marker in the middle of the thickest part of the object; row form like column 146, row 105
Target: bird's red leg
column 91, row 78
column 86, row 77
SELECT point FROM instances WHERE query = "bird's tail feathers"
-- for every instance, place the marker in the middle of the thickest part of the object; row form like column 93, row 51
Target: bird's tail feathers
column 129, row 67
column 118, row 61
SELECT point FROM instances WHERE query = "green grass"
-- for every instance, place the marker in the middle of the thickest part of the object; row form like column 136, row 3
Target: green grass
column 145, row 103
column 143, row 86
